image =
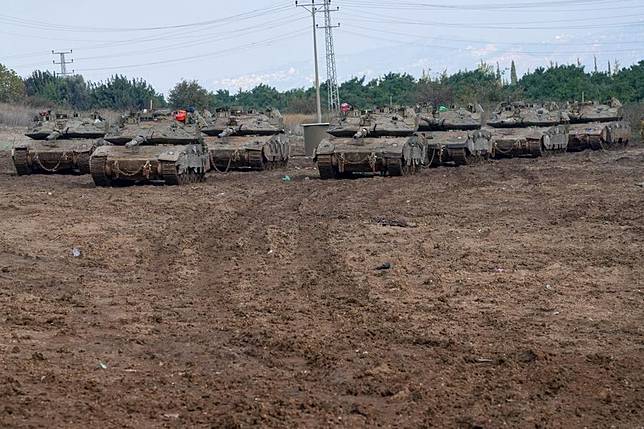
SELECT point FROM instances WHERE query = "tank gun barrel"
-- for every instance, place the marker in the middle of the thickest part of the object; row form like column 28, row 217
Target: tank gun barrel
column 362, row 133
column 230, row 131
column 138, row 140
column 54, row 135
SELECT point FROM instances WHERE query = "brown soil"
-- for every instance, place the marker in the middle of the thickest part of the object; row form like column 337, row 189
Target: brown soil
column 514, row 299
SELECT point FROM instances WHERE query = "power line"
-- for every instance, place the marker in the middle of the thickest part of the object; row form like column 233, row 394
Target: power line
column 484, row 6
column 381, row 19
column 42, row 25
column 424, row 43
column 234, row 49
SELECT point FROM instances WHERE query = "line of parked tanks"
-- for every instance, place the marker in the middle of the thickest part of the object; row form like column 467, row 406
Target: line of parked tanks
column 179, row 147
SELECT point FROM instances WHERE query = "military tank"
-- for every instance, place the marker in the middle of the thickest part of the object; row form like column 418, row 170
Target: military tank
column 381, row 141
column 151, row 147
column 246, row 140
column 61, row 143
column 597, row 126
column 521, row 129
column 454, row 135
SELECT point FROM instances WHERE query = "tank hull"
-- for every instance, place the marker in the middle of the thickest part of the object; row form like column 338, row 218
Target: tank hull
column 248, row 152
column 169, row 164
column 53, row 157
column 392, row 156
column 598, row 135
column 529, row 142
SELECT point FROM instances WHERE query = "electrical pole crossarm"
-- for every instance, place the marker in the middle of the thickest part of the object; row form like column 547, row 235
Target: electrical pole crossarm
column 63, row 62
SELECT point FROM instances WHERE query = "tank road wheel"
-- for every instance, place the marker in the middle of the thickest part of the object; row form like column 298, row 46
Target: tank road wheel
column 326, row 168
column 20, row 162
column 536, row 148
column 97, row 169
column 83, row 163
column 459, row 156
column 256, row 161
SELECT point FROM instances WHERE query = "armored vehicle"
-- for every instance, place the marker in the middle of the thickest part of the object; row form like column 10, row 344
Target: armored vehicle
column 61, row 143
column 453, row 118
column 597, row 126
column 150, row 147
column 454, row 135
column 246, row 140
column 380, row 141
column 520, row 129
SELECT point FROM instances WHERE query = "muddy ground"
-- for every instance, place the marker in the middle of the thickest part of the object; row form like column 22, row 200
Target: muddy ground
column 514, row 299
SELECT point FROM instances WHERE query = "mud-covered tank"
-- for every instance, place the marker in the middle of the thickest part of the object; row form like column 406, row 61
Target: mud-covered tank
column 151, row 147
column 598, row 135
column 246, row 140
column 382, row 141
column 460, row 147
column 452, row 118
column 61, row 143
column 597, row 126
column 522, row 129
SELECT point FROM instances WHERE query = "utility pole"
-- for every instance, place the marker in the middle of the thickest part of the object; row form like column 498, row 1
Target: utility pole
column 312, row 8
column 63, row 62
column 331, row 71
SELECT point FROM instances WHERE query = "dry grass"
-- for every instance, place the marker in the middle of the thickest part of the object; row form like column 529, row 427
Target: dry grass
column 294, row 121
column 16, row 115
column 634, row 113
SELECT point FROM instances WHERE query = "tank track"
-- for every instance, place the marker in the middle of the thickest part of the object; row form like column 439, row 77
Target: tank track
column 399, row 167
column 535, row 148
column 459, row 156
column 326, row 168
column 173, row 178
column 20, row 162
column 170, row 174
column 83, row 162
column 256, row 161
column 97, row 169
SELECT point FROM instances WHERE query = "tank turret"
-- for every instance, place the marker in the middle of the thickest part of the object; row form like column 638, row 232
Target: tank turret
column 592, row 111
column 53, row 126
column 447, row 119
column 520, row 114
column 240, row 123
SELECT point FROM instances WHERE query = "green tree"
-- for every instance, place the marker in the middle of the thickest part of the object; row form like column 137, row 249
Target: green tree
column 12, row 88
column 122, row 93
column 514, row 80
column 189, row 94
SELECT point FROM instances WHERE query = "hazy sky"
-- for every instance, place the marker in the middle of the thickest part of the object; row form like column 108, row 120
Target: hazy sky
column 233, row 44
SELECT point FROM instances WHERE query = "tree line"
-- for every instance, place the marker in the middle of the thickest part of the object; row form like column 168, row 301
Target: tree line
column 485, row 85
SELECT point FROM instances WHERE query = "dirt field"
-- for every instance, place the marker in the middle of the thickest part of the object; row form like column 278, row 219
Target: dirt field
column 514, row 299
